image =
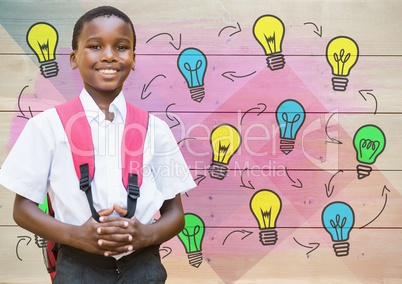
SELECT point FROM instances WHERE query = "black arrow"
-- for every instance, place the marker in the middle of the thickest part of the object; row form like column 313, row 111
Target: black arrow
column 384, row 191
column 22, row 238
column 231, row 27
column 171, row 37
column 200, row 178
column 229, row 74
column 328, row 189
column 318, row 31
column 184, row 139
column 367, row 92
column 19, row 105
column 146, row 86
column 246, row 234
column 242, row 182
column 168, row 251
column 299, row 185
column 333, row 140
column 264, row 107
column 309, row 247
column 172, row 118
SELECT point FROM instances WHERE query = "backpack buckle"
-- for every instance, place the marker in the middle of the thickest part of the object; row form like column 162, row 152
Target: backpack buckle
column 84, row 180
column 133, row 189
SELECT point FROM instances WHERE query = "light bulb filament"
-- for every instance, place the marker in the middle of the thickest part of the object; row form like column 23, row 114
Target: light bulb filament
column 368, row 145
column 223, row 150
column 266, row 218
column 198, row 65
column 341, row 59
column 192, row 241
column 338, row 226
column 44, row 48
column 289, row 124
column 271, row 43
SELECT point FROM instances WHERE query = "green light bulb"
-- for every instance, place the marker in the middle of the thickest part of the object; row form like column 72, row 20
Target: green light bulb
column 191, row 237
column 369, row 142
column 44, row 206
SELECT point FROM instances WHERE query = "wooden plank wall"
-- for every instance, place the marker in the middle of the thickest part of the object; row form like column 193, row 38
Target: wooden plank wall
column 242, row 91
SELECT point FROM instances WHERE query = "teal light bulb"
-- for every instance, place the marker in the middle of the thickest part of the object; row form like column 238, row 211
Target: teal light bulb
column 338, row 219
column 191, row 237
column 369, row 142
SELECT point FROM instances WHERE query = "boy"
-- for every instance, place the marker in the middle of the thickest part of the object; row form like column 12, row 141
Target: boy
column 116, row 249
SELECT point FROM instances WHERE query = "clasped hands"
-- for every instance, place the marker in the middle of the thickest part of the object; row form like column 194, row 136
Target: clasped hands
column 114, row 235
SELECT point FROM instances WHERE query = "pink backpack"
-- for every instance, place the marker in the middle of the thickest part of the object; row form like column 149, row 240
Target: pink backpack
column 78, row 131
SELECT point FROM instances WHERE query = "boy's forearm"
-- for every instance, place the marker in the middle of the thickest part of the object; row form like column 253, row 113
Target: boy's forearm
column 28, row 216
column 171, row 221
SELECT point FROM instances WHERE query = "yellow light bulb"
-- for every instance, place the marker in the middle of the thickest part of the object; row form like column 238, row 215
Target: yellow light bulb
column 225, row 141
column 42, row 38
column 266, row 206
column 269, row 31
column 342, row 54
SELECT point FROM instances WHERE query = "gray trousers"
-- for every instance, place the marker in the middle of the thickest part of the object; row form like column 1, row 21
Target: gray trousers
column 76, row 266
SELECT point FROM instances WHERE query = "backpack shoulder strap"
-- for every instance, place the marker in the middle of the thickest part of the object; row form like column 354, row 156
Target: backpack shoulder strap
column 132, row 152
column 78, row 131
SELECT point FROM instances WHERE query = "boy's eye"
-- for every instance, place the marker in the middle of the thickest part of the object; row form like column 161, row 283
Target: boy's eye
column 96, row 47
column 122, row 47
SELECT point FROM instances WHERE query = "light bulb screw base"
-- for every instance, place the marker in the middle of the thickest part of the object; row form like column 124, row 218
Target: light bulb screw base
column 339, row 84
column 218, row 171
column 363, row 171
column 268, row 237
column 197, row 93
column 49, row 69
column 195, row 259
column 287, row 146
column 341, row 249
column 275, row 61
column 40, row 242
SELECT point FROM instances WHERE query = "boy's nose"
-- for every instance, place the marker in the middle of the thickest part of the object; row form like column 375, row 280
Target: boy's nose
column 108, row 54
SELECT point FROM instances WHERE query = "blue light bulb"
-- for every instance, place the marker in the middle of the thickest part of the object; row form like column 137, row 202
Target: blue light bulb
column 338, row 219
column 290, row 116
column 192, row 64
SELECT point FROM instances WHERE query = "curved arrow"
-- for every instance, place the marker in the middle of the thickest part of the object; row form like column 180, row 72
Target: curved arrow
column 171, row 118
column 328, row 189
column 22, row 238
column 200, row 178
column 229, row 74
column 384, row 189
column 299, row 185
column 254, row 108
column 242, row 182
column 370, row 94
column 184, row 139
column 309, row 247
column 231, row 27
column 19, row 105
column 318, row 31
column 145, row 87
column 246, row 234
column 333, row 140
column 171, row 37
column 168, row 251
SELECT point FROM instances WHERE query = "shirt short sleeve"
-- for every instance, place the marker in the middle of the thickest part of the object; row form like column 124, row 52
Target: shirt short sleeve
column 171, row 173
column 26, row 169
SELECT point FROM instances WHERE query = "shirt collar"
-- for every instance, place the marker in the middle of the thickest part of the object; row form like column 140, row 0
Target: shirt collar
column 92, row 111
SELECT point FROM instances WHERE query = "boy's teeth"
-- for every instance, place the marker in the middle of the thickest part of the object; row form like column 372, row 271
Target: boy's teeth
column 107, row 71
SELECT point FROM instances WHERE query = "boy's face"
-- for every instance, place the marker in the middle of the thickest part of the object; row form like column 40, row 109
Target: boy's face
column 104, row 55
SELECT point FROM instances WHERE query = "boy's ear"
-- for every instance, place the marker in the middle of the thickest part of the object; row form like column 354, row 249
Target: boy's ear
column 133, row 66
column 73, row 61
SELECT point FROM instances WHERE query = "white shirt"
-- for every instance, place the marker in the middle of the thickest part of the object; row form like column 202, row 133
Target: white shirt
column 41, row 162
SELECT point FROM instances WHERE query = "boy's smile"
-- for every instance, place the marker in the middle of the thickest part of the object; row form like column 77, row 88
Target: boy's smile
column 104, row 57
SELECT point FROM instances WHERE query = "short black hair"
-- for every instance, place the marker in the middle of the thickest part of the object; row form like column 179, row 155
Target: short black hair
column 102, row 11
